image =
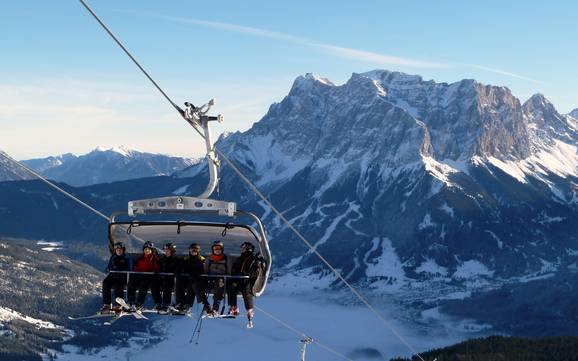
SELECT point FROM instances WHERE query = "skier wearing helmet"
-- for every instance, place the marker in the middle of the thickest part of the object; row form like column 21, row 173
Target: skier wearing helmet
column 243, row 266
column 190, row 283
column 119, row 261
column 169, row 263
column 148, row 263
column 217, row 265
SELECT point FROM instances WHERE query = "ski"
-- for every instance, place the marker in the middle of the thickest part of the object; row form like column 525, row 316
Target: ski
column 116, row 317
column 218, row 316
column 97, row 315
column 138, row 314
column 176, row 312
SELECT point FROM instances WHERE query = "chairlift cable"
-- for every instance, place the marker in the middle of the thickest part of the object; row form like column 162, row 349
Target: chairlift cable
column 52, row 185
column 263, row 198
column 129, row 55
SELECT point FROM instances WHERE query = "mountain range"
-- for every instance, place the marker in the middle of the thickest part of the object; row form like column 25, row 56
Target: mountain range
column 104, row 165
column 410, row 187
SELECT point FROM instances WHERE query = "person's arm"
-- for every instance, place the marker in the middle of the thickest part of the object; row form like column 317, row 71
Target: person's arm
column 136, row 267
column 128, row 263
column 109, row 265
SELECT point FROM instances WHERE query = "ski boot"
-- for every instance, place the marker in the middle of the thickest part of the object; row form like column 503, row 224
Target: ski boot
column 250, row 314
column 106, row 309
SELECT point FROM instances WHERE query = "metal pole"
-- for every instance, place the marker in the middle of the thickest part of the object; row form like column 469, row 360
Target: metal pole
column 305, row 342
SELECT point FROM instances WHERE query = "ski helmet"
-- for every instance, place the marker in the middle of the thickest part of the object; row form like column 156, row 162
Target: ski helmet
column 248, row 247
column 119, row 245
column 171, row 246
column 218, row 244
column 148, row 244
column 195, row 246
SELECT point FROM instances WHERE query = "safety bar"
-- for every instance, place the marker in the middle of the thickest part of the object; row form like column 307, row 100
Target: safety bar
column 180, row 274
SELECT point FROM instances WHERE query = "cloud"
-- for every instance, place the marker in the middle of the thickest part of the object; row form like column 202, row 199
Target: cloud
column 343, row 52
column 379, row 58
column 338, row 51
column 503, row 72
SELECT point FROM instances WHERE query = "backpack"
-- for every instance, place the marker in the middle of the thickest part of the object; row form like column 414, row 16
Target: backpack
column 256, row 270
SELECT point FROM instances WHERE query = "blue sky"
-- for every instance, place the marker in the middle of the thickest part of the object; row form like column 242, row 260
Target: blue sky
column 66, row 87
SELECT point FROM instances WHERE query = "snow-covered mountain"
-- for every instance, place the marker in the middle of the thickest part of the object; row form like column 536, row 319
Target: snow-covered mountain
column 398, row 179
column 393, row 177
column 10, row 172
column 574, row 113
column 419, row 189
column 107, row 165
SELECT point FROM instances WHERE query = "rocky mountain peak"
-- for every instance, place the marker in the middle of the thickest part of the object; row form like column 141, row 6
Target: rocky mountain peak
column 545, row 123
column 539, row 104
column 574, row 113
column 399, row 118
column 307, row 82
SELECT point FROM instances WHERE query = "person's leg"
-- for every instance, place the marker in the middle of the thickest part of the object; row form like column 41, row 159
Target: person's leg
column 155, row 287
column 247, row 296
column 198, row 289
column 107, row 284
column 133, row 285
column 180, row 290
column 232, row 291
column 144, row 286
column 168, row 285
column 218, row 293
column 118, row 286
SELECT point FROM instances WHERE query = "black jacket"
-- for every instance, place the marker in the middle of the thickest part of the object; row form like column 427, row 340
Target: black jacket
column 170, row 264
column 193, row 265
column 119, row 263
column 242, row 265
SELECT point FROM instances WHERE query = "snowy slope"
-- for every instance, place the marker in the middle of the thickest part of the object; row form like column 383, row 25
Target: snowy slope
column 350, row 331
column 10, row 172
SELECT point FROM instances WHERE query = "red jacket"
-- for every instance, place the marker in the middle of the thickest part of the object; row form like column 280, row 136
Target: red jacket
column 147, row 264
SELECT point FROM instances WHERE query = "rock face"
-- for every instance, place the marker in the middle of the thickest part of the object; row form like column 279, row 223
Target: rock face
column 107, row 165
column 393, row 176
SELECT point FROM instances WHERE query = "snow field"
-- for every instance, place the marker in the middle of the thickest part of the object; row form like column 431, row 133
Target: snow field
column 352, row 331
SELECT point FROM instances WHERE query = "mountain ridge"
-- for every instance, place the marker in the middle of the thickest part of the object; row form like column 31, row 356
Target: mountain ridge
column 104, row 165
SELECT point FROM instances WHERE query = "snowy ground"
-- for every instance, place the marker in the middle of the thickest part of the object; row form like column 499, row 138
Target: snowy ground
column 351, row 330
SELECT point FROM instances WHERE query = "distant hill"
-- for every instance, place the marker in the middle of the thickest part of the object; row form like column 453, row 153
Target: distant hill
column 107, row 165
column 11, row 172
column 38, row 290
column 498, row 348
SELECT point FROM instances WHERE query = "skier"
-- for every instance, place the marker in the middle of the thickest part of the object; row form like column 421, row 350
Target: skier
column 190, row 283
column 243, row 266
column 119, row 261
column 148, row 262
column 217, row 265
column 169, row 263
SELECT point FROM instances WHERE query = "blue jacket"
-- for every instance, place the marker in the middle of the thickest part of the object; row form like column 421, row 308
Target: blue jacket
column 119, row 263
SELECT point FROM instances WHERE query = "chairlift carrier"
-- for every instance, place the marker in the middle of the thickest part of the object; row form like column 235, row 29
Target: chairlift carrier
column 182, row 233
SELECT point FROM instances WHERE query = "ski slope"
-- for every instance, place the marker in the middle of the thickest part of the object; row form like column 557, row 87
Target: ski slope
column 350, row 330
